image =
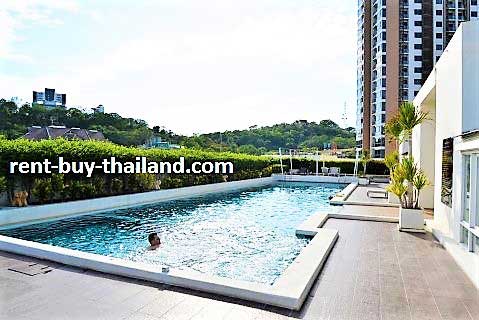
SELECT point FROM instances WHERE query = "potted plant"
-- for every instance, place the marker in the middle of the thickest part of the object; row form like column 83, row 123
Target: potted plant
column 407, row 180
column 410, row 214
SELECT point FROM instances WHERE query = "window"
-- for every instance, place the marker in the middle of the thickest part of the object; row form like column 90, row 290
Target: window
column 438, row 46
column 418, row 12
column 470, row 202
column 417, row 81
column 417, row 70
column 417, row 58
column 418, row 23
column 446, row 178
column 474, row 14
column 439, row 24
column 418, row 46
column 438, row 35
column 438, row 12
column 417, row 34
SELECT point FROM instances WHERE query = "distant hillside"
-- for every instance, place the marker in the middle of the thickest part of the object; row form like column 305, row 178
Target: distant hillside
column 259, row 140
column 14, row 121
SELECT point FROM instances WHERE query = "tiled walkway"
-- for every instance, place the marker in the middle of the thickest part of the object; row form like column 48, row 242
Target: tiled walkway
column 360, row 194
column 374, row 272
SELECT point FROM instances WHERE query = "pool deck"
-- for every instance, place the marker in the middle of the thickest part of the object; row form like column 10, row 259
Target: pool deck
column 374, row 272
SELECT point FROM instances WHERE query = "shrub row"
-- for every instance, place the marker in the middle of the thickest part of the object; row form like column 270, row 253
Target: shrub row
column 44, row 188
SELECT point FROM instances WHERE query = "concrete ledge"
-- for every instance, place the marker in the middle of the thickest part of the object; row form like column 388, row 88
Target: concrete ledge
column 363, row 217
column 311, row 226
column 318, row 179
column 314, row 224
column 366, row 203
column 342, row 196
column 299, row 277
column 41, row 213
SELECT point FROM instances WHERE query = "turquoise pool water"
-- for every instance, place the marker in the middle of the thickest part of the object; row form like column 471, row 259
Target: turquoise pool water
column 247, row 235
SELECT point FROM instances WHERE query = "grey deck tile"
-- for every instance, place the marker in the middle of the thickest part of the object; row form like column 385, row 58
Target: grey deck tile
column 215, row 310
column 472, row 307
column 242, row 313
column 451, row 308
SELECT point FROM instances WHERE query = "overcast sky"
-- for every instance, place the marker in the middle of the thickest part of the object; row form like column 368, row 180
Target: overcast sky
column 191, row 66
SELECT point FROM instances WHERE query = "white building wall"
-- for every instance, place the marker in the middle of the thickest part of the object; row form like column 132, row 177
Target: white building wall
column 453, row 89
column 448, row 121
column 470, row 63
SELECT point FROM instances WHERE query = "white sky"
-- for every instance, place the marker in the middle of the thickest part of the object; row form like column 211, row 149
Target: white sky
column 191, row 66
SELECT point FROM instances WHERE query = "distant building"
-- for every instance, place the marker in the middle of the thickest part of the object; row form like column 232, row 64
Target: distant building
column 49, row 98
column 52, row 132
column 156, row 142
column 18, row 101
column 99, row 109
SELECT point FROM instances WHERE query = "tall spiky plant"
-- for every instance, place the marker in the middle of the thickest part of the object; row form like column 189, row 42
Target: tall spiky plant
column 408, row 117
column 394, row 130
column 391, row 160
column 400, row 128
column 404, row 173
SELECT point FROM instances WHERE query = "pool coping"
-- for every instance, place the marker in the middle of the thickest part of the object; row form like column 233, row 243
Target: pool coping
column 289, row 291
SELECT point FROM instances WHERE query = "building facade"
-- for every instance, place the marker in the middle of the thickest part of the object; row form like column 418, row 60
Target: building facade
column 446, row 147
column 49, row 98
column 399, row 43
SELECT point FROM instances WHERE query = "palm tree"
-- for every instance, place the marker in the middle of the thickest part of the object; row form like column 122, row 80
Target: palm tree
column 406, row 172
column 409, row 117
column 393, row 130
column 400, row 129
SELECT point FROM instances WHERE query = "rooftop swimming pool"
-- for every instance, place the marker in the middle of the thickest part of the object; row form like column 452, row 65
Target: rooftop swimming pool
column 246, row 235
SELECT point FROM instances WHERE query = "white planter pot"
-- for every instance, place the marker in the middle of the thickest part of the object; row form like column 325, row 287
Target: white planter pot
column 411, row 220
column 392, row 198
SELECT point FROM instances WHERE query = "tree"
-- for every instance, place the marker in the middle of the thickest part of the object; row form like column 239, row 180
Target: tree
column 365, row 158
column 400, row 128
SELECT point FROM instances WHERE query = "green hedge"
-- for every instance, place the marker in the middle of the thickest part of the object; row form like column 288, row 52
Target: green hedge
column 46, row 187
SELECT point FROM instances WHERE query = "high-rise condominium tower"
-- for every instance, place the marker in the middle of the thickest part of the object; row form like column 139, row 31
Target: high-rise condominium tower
column 399, row 41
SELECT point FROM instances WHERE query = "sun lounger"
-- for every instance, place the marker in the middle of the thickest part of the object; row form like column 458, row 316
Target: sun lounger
column 303, row 171
column 294, row 171
column 334, row 171
column 377, row 194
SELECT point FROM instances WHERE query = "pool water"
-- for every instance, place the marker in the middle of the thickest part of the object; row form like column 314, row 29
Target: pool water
column 247, row 235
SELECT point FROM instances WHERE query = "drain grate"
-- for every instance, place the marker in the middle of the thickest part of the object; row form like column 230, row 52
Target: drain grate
column 31, row 269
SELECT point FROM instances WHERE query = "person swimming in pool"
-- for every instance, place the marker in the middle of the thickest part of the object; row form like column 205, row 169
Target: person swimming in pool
column 154, row 241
